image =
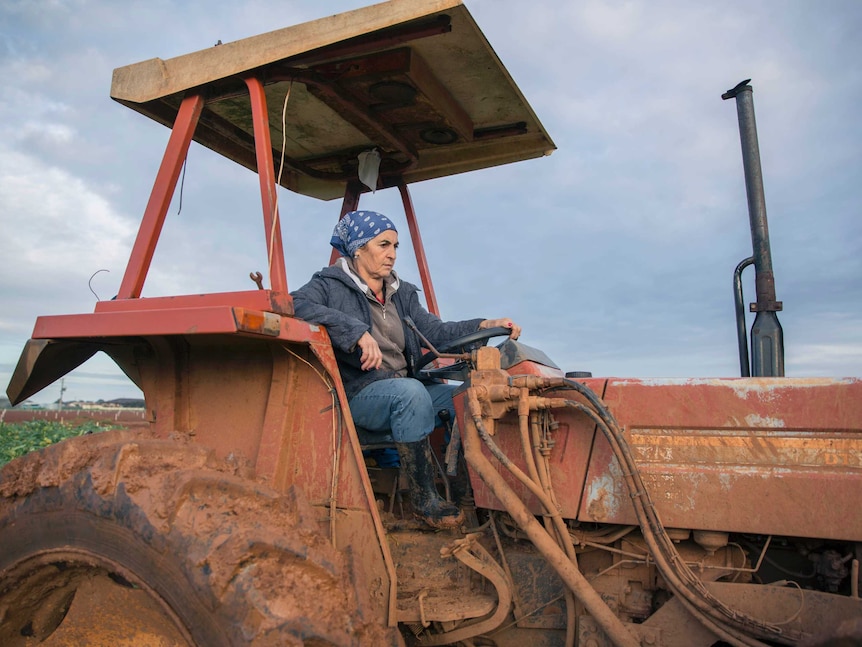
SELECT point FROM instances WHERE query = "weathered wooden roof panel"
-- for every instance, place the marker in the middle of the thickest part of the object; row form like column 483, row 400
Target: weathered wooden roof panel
column 415, row 79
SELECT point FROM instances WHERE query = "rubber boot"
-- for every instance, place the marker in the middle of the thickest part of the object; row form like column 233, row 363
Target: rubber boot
column 462, row 493
column 428, row 505
column 459, row 485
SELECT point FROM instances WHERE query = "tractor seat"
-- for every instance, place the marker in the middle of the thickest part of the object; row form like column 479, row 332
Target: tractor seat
column 374, row 439
column 378, row 447
column 383, row 465
column 379, row 451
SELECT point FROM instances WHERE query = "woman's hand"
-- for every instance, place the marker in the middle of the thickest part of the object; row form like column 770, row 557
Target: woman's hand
column 371, row 356
column 505, row 322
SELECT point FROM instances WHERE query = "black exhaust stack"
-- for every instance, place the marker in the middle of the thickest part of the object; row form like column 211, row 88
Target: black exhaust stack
column 767, row 338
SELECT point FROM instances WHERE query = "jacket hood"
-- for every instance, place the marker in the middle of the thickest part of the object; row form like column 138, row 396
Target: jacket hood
column 342, row 271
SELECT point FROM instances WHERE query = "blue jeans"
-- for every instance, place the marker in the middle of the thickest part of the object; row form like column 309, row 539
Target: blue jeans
column 403, row 409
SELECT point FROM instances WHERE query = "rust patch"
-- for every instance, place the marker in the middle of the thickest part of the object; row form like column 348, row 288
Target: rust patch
column 768, row 448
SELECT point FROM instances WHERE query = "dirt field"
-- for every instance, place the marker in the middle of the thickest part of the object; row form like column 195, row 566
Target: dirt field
column 124, row 417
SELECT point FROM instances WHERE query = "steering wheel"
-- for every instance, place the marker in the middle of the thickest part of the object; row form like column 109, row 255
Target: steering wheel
column 448, row 372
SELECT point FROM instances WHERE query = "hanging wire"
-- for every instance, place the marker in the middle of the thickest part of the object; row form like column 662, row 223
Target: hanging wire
column 90, row 283
column 182, row 184
column 337, row 441
column 275, row 223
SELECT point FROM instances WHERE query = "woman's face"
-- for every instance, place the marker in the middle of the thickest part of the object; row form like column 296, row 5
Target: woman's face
column 376, row 258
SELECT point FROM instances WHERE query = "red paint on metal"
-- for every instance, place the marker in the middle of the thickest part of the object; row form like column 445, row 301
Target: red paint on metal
column 144, row 322
column 757, row 455
column 266, row 300
column 418, row 249
column 528, row 367
column 753, row 455
column 160, row 197
column 568, row 465
column 352, row 193
column 147, row 323
column 273, row 418
column 306, row 440
column 568, row 460
column 266, row 174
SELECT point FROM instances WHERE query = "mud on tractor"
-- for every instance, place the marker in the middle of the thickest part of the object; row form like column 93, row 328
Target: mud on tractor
column 603, row 511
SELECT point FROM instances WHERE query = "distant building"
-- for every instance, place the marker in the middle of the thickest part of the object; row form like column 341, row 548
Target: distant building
column 118, row 403
column 129, row 403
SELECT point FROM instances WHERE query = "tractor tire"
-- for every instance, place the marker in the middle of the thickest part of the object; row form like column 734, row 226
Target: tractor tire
column 118, row 538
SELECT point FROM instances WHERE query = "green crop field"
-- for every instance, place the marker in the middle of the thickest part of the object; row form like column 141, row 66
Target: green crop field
column 19, row 438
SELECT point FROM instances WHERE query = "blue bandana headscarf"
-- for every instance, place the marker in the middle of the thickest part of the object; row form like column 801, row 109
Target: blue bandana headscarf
column 356, row 228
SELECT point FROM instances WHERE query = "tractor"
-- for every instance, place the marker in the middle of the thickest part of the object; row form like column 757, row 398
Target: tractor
column 251, row 510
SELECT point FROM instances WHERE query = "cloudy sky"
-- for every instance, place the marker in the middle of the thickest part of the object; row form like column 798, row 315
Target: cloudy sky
column 615, row 254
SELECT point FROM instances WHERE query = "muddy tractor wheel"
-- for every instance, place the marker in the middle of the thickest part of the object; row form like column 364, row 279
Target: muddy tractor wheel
column 120, row 539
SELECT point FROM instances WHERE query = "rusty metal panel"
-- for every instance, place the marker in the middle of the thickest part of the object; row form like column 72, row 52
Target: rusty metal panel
column 143, row 322
column 266, row 300
column 61, row 343
column 177, row 319
column 568, row 465
column 267, row 408
column 569, row 458
column 760, row 455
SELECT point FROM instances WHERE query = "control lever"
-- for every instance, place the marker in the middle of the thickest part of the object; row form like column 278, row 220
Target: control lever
column 412, row 326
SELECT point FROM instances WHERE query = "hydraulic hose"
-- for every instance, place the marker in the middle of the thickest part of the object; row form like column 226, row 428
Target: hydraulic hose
column 538, row 472
column 711, row 611
column 699, row 601
column 557, row 558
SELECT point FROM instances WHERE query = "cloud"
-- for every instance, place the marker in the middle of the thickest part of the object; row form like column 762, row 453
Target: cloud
column 829, row 346
column 52, row 220
column 58, row 233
